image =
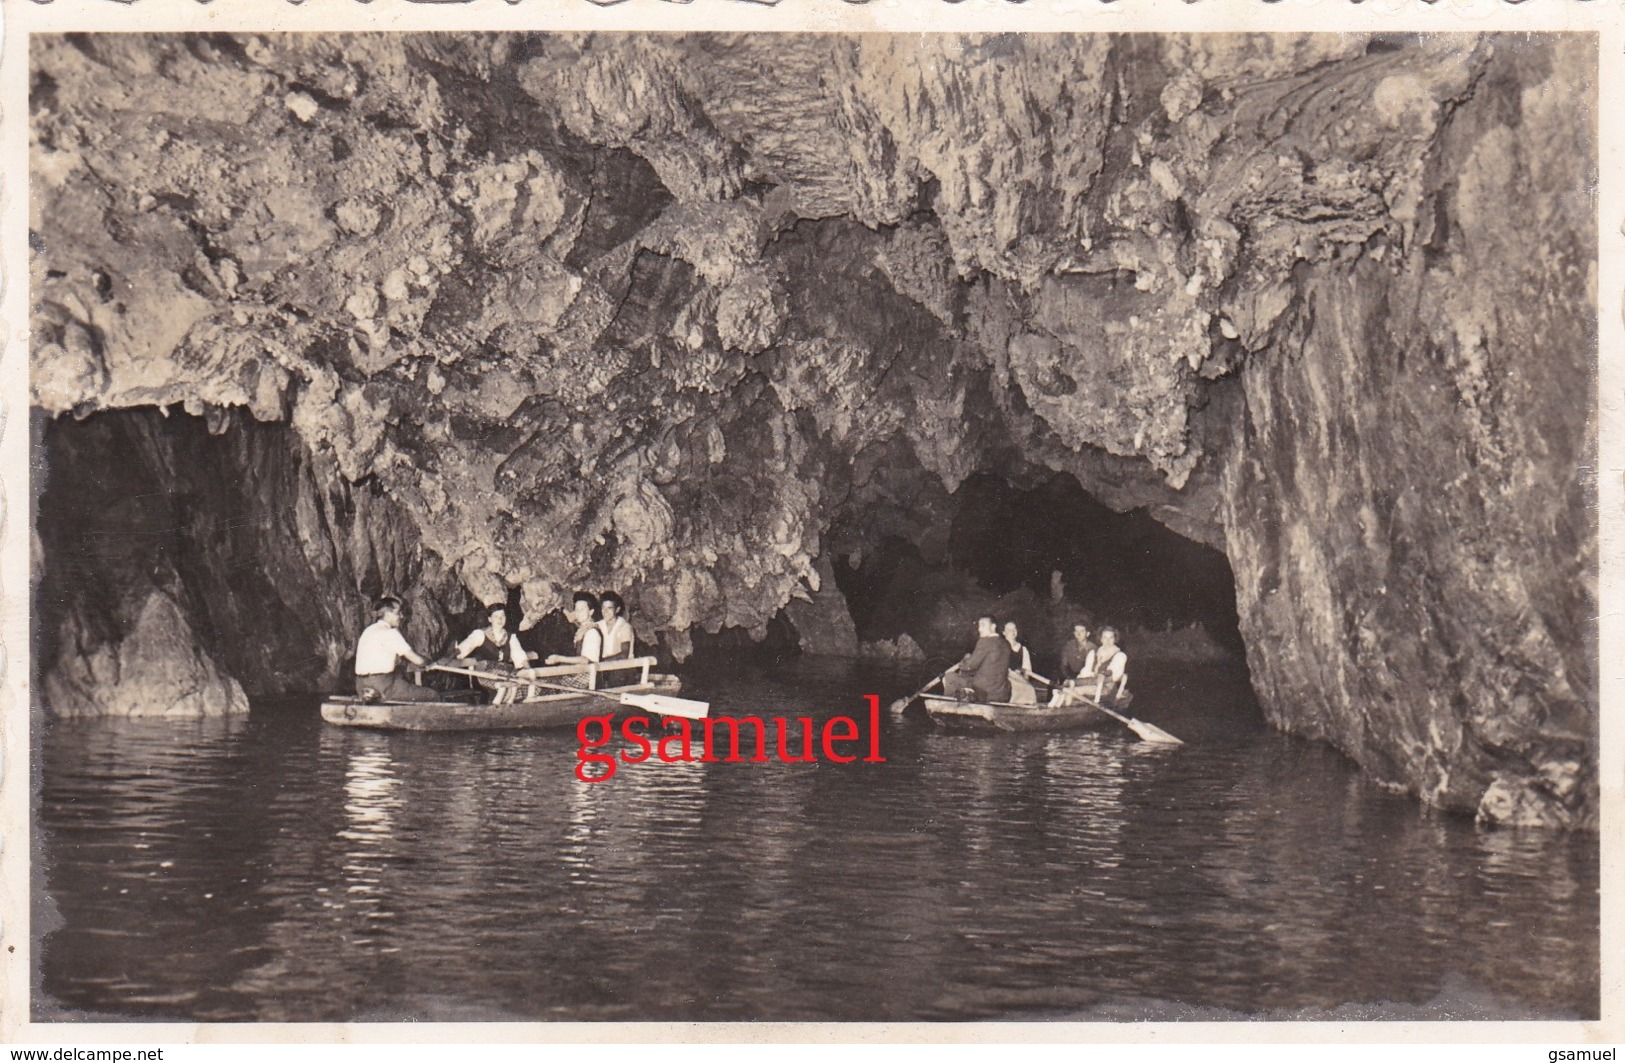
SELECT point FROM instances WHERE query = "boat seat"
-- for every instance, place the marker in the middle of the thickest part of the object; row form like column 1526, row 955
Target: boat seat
column 614, row 673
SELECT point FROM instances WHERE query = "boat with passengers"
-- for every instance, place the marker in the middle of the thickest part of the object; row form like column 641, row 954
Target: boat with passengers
column 1079, row 713
column 957, row 714
column 552, row 696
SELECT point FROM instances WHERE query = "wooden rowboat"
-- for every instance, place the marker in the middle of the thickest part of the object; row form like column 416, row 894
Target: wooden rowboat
column 1005, row 716
column 519, row 706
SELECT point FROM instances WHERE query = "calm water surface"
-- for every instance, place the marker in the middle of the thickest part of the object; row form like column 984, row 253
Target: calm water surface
column 277, row 869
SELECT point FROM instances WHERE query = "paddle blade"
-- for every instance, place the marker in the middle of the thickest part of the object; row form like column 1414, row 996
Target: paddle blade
column 901, row 705
column 1150, row 732
column 666, row 705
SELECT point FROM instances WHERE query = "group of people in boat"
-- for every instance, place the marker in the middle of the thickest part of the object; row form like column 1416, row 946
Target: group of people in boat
column 999, row 669
column 602, row 633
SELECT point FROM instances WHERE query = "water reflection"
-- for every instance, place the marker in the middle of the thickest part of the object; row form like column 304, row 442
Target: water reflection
column 371, row 799
column 282, row 870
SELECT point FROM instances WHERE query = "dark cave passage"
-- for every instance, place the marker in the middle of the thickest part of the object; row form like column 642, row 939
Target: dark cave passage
column 1122, row 568
column 1046, row 556
column 273, row 557
column 268, row 554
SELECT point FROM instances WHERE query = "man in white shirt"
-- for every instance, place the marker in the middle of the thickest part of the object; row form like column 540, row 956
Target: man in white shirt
column 379, row 651
column 616, row 631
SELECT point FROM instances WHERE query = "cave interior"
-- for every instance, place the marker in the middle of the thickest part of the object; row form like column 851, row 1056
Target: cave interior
column 199, row 508
column 1275, row 334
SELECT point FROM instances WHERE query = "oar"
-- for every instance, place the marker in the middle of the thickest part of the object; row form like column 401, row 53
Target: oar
column 456, row 669
column 664, row 704
column 1148, row 732
column 900, row 706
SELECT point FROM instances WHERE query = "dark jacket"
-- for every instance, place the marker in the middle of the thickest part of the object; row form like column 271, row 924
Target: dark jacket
column 988, row 668
column 1073, row 658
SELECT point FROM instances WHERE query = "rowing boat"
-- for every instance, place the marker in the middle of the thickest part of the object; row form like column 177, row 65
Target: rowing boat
column 518, row 706
column 1005, row 716
column 547, row 710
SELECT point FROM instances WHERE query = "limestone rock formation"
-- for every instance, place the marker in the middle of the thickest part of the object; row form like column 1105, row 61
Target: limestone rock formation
column 822, row 620
column 902, row 648
column 157, row 669
column 684, row 313
column 182, row 555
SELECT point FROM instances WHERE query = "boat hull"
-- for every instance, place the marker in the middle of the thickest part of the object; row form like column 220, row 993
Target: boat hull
column 552, row 710
column 1002, row 716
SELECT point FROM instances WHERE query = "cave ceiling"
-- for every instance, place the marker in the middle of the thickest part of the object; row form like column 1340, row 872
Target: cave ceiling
column 679, row 312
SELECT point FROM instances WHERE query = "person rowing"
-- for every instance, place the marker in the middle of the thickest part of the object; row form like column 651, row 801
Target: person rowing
column 1075, row 654
column 1103, row 678
column 984, row 674
column 377, row 655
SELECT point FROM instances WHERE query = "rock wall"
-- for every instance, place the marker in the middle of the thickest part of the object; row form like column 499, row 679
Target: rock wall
column 822, row 620
column 682, row 314
column 1412, row 496
column 184, row 562
column 156, row 668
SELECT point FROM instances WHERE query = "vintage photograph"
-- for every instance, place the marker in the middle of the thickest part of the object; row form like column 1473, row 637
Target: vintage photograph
column 894, row 527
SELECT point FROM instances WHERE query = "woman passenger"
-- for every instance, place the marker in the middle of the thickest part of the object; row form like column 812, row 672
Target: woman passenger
column 491, row 644
column 587, row 642
column 494, row 649
column 1021, row 667
column 1108, row 666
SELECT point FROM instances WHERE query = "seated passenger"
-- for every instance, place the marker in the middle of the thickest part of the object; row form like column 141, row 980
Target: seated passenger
column 587, row 642
column 377, row 654
column 1021, row 667
column 1104, row 677
column 1076, row 653
column 586, row 645
column 617, row 632
column 494, row 644
column 984, row 674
